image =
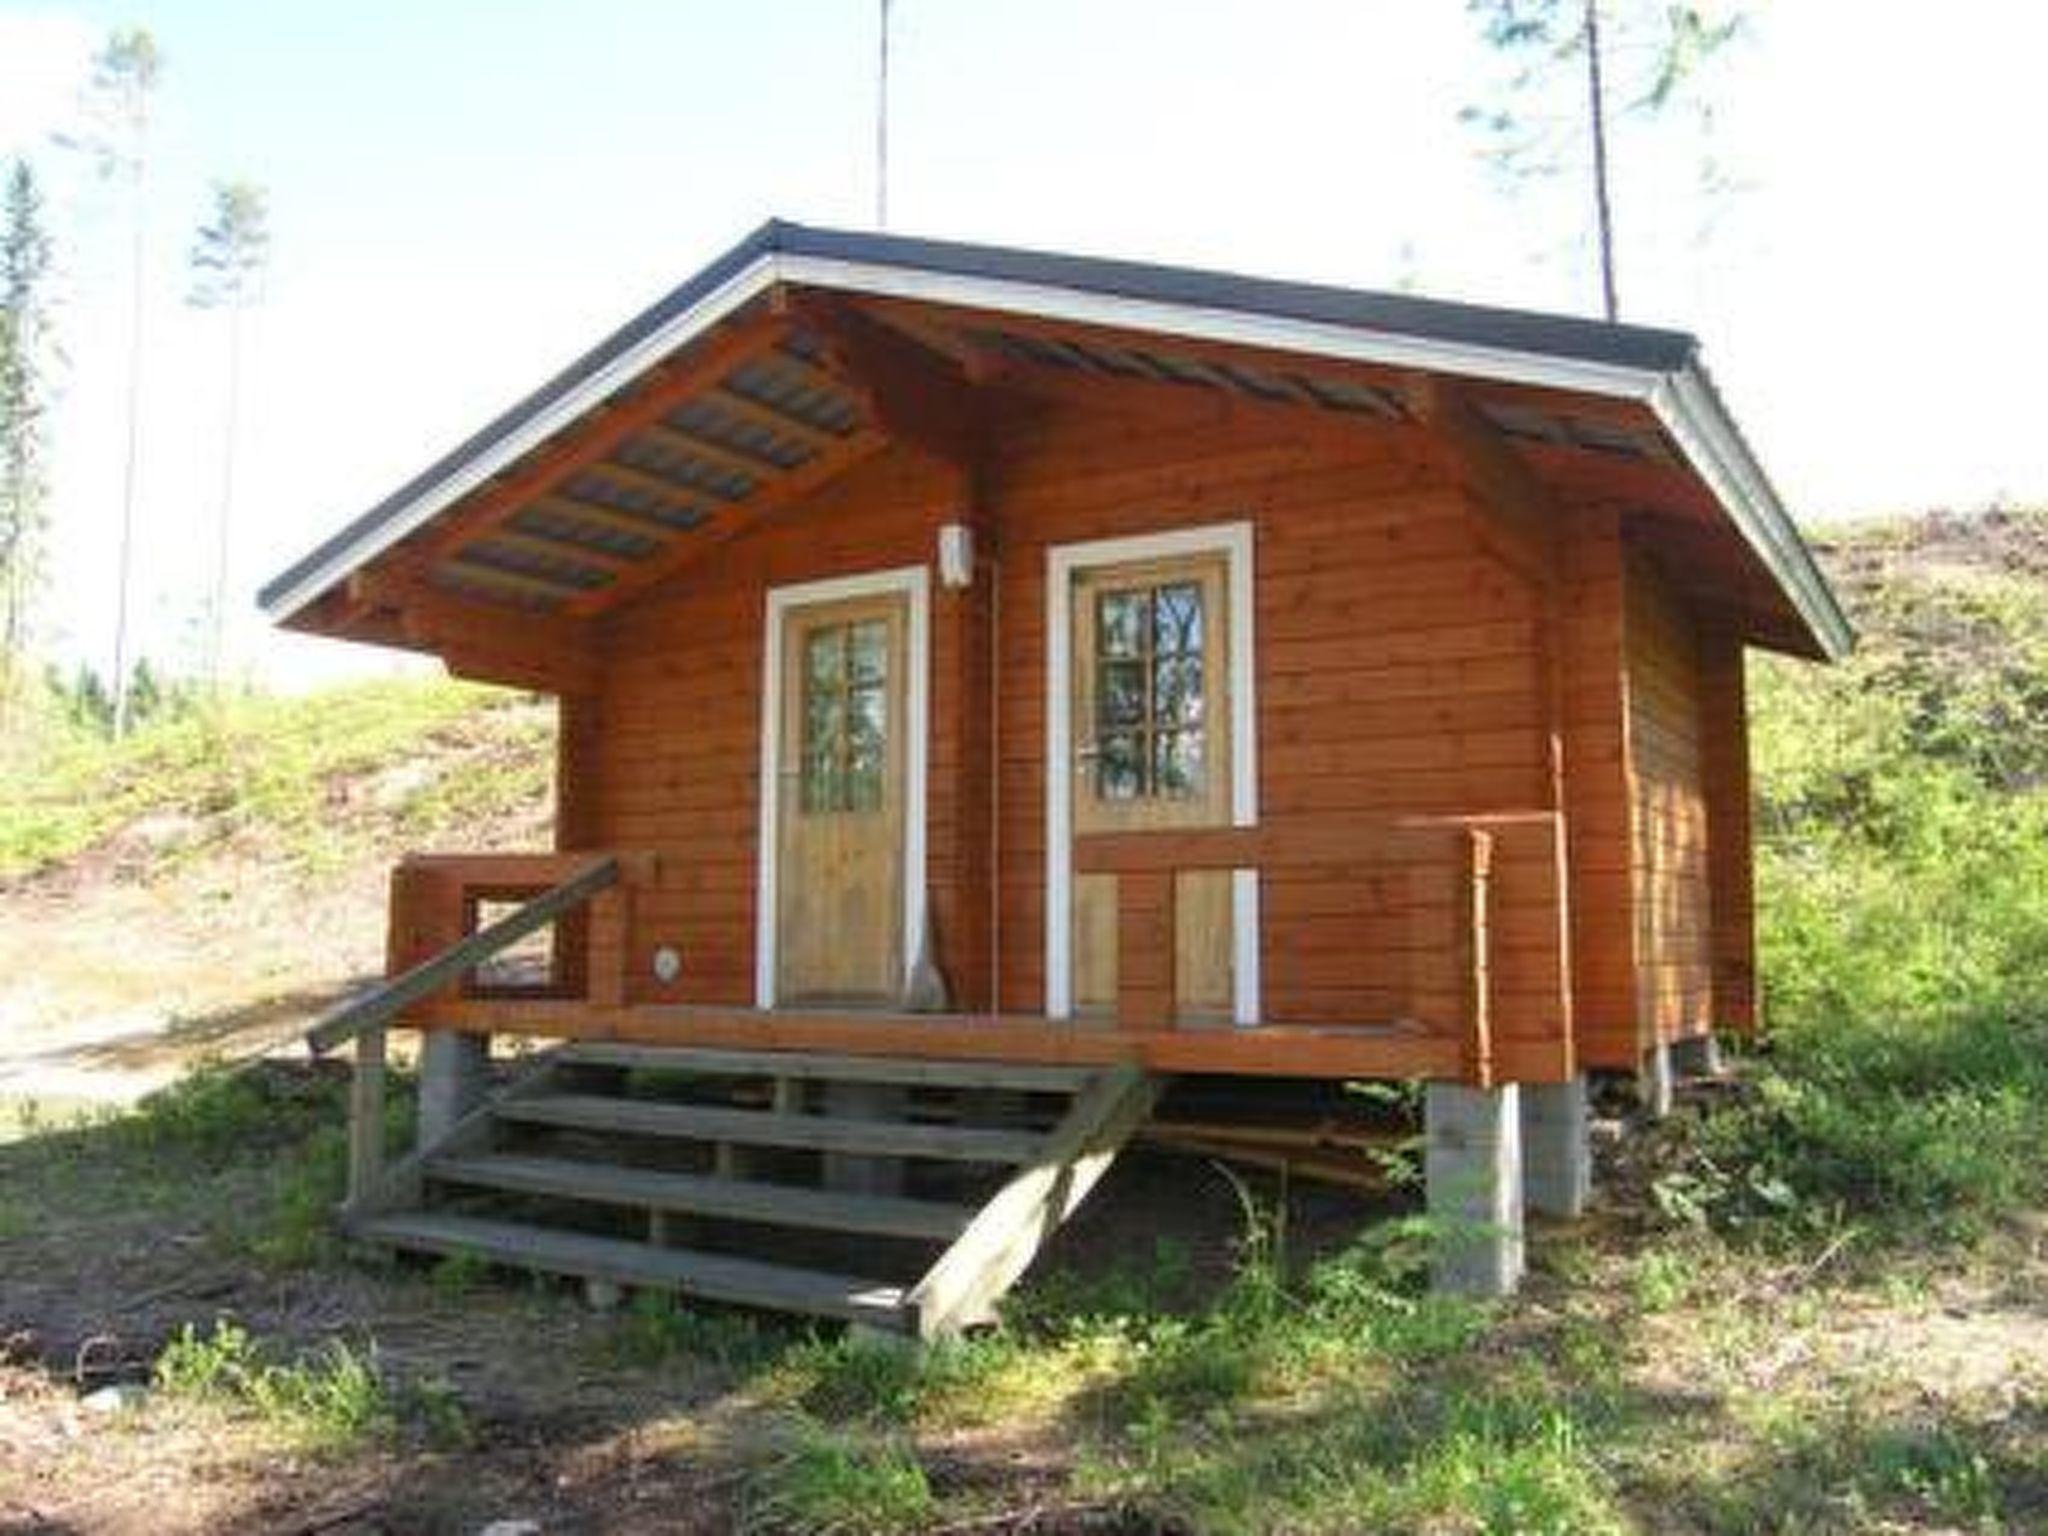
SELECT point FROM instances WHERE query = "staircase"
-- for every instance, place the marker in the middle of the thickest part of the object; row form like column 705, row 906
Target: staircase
column 902, row 1194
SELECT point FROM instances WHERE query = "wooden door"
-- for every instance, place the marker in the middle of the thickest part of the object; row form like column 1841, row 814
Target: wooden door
column 1151, row 727
column 839, row 877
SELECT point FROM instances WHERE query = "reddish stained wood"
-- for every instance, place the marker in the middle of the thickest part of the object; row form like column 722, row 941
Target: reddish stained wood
column 607, row 428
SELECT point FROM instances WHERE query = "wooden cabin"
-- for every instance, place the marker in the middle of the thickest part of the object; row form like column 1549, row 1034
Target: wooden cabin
column 992, row 683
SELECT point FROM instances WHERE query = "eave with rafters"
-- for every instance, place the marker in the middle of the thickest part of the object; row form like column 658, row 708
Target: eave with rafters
column 790, row 363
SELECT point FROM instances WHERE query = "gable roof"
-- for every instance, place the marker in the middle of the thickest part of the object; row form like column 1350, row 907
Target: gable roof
column 1658, row 369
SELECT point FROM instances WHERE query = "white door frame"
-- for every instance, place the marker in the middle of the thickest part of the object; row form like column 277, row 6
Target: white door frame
column 914, row 583
column 1234, row 542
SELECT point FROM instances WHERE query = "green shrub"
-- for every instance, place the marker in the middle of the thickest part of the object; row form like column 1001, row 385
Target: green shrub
column 1903, row 897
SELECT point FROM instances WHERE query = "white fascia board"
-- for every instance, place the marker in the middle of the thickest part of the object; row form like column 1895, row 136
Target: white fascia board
column 714, row 307
column 1681, row 400
column 1690, row 412
column 1230, row 326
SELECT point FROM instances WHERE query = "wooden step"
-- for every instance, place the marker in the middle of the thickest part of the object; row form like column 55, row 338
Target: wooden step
column 714, row 1277
column 762, row 1128
column 740, row 1199
column 1023, row 1076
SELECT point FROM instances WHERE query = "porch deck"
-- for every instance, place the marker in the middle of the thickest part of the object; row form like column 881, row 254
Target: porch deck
column 1396, row 1050
column 1461, row 925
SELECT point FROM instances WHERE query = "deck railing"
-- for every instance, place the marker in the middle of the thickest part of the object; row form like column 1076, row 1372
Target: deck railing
column 1435, row 875
column 437, row 942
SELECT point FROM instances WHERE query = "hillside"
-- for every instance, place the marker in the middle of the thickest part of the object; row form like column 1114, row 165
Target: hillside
column 202, row 887
column 1810, row 1302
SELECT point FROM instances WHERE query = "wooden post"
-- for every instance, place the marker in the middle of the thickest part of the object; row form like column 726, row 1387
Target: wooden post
column 611, row 914
column 366, row 1119
column 1475, row 941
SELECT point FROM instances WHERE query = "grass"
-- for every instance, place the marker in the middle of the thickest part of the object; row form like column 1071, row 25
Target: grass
column 1754, row 1346
column 314, row 775
column 846, row 1483
column 336, row 1399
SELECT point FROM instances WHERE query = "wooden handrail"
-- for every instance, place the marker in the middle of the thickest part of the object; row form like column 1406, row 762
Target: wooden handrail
column 1147, row 862
column 387, row 1001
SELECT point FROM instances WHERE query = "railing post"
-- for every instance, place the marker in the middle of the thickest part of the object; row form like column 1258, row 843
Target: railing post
column 606, row 955
column 366, row 1118
column 1475, row 882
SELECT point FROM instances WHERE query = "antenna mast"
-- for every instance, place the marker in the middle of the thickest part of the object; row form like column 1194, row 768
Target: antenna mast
column 882, row 127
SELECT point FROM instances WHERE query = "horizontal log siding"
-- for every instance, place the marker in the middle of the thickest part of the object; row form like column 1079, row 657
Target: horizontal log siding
column 678, row 749
column 1399, row 673
column 1669, row 874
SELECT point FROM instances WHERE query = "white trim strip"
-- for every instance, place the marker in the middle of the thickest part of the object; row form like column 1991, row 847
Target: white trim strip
column 1680, row 398
column 708, row 311
column 1235, row 326
column 1063, row 561
column 914, row 583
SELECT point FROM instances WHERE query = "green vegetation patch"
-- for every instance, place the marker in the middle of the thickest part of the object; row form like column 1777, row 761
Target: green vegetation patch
column 314, row 775
column 335, row 1399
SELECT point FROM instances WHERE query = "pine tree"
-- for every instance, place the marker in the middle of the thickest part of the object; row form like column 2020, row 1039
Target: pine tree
column 126, row 72
column 25, row 340
column 228, row 260
column 1649, row 52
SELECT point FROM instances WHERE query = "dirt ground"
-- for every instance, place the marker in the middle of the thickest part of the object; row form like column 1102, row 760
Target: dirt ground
column 563, row 1429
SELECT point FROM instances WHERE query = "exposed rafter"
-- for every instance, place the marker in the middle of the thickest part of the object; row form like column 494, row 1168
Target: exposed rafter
column 735, row 518
column 480, row 640
column 1521, row 523
column 919, row 396
column 583, row 447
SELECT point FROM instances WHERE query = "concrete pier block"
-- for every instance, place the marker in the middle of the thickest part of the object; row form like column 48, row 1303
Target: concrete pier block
column 1472, row 1180
column 1654, row 1082
column 858, row 1173
column 455, row 1074
column 1699, row 1056
column 1557, row 1147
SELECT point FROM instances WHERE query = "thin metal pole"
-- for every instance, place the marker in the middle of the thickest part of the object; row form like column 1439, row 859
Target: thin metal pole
column 1602, row 208
column 882, row 127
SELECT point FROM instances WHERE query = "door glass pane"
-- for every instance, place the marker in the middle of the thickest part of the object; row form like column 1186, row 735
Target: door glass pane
column 868, row 651
column 1120, row 624
column 843, row 758
column 1150, row 675
column 1118, row 770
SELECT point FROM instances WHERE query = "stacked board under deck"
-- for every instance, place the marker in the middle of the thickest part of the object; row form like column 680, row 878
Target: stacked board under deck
column 762, row 1178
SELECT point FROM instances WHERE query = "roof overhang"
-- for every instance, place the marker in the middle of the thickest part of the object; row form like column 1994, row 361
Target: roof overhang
column 1655, row 369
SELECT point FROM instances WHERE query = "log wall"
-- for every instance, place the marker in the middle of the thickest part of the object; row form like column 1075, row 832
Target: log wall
column 1400, row 670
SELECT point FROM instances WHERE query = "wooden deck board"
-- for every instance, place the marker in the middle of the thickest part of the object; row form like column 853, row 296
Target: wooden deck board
column 759, row 1128
column 837, row 1068
column 695, row 1194
column 715, row 1277
column 1276, row 1050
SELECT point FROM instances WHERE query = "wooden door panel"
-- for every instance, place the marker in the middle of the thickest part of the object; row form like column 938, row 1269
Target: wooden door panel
column 839, row 936
column 1151, row 723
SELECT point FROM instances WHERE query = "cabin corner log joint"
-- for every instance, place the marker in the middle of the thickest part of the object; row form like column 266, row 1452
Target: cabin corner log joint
column 992, row 684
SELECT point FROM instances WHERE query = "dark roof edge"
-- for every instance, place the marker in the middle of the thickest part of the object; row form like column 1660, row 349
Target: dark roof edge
column 1658, row 366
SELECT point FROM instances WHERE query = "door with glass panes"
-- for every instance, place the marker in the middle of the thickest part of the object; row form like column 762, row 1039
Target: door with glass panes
column 839, row 878
column 1151, row 713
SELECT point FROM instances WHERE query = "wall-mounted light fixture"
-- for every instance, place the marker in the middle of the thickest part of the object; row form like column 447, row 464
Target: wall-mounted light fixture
column 956, row 556
column 668, row 964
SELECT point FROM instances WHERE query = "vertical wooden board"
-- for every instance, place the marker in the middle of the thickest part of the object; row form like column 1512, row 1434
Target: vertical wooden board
column 1670, row 889
column 1597, row 790
column 1724, row 724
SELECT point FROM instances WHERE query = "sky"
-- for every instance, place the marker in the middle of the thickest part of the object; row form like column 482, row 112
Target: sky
column 466, row 193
